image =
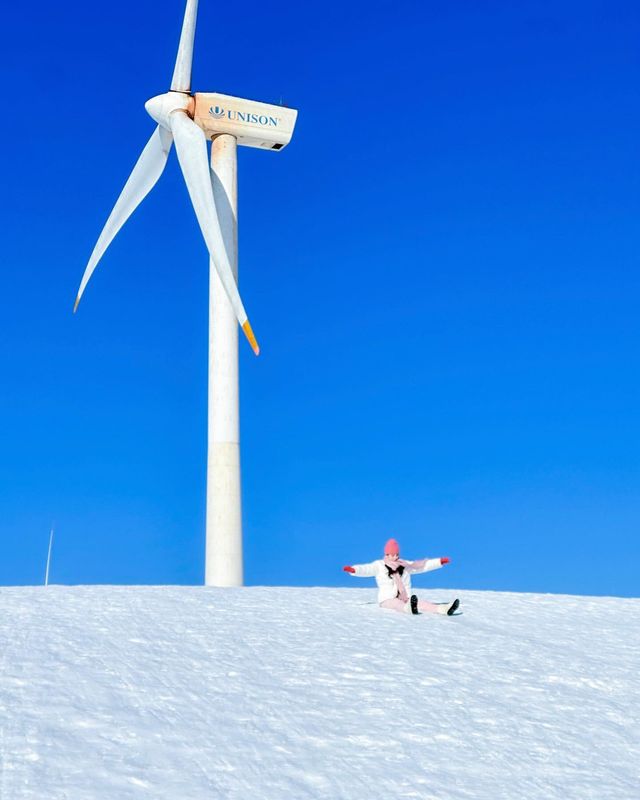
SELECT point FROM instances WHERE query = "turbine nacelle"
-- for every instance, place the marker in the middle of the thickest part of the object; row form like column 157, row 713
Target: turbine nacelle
column 160, row 107
column 251, row 123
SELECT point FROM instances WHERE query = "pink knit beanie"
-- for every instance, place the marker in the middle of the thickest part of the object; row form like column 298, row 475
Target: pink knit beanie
column 392, row 548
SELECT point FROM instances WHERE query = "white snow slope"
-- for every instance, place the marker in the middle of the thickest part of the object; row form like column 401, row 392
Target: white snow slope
column 111, row 693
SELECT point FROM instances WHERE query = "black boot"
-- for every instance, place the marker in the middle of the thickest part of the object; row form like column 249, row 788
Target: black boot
column 414, row 603
column 453, row 607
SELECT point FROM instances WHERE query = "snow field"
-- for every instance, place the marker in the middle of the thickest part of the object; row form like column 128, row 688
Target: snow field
column 112, row 693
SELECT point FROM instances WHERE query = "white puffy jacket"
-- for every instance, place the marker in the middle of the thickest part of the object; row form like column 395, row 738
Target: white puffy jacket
column 386, row 585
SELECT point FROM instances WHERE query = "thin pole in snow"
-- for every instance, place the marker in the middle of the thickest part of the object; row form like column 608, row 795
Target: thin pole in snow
column 46, row 575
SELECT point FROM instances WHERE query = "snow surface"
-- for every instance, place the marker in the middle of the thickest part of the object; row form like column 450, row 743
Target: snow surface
column 110, row 693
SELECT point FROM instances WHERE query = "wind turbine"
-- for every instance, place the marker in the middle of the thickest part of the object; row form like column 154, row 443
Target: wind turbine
column 188, row 120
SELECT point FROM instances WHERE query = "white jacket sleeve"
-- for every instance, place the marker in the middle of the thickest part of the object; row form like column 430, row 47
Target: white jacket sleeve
column 425, row 565
column 365, row 570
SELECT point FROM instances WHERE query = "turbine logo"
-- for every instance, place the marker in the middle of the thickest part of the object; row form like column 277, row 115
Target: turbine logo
column 244, row 116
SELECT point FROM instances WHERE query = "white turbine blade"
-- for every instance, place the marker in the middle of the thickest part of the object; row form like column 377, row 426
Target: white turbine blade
column 191, row 148
column 143, row 178
column 181, row 81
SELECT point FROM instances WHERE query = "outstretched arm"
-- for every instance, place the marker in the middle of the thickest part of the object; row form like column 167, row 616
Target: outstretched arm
column 427, row 564
column 362, row 570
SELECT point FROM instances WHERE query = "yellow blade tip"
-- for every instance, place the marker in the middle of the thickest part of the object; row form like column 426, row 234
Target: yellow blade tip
column 75, row 305
column 252, row 339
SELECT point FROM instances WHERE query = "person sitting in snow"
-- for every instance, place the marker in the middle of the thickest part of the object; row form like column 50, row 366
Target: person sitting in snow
column 393, row 576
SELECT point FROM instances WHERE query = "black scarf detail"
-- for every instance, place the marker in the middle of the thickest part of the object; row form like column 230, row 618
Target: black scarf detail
column 391, row 572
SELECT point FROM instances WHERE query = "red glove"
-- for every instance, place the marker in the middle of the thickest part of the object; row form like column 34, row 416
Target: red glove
column 445, row 560
column 348, row 569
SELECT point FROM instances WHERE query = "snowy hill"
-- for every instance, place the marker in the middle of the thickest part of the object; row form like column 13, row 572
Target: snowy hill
column 269, row 693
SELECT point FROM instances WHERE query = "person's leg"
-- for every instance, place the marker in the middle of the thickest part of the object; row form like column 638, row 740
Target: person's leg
column 395, row 604
column 438, row 608
column 428, row 608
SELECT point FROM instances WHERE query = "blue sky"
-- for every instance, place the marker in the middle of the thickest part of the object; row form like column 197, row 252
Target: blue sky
column 441, row 269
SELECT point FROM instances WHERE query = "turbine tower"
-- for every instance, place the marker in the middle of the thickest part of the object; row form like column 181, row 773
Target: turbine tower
column 188, row 120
